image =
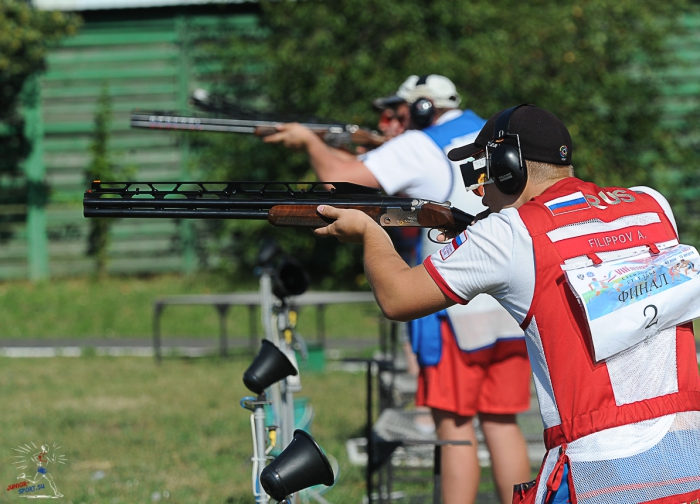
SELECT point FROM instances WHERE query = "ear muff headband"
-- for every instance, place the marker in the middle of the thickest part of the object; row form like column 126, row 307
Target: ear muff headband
column 506, row 166
column 500, row 129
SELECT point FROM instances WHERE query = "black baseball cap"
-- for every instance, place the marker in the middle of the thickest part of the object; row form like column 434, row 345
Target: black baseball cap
column 543, row 137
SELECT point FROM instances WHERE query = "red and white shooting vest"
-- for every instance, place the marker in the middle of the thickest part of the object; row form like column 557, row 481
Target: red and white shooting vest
column 576, row 219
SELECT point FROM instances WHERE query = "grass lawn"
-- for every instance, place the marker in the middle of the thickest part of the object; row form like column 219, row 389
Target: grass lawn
column 132, row 431
column 123, row 308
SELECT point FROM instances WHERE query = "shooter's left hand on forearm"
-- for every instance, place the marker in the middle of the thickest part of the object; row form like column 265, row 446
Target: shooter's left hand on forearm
column 292, row 135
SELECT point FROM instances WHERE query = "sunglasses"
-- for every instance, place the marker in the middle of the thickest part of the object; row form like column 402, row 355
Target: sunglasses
column 389, row 115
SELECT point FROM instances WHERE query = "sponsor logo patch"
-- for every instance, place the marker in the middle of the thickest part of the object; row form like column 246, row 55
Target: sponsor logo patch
column 566, row 204
column 449, row 249
column 36, row 482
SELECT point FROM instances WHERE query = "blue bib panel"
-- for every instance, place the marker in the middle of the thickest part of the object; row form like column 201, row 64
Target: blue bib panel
column 426, row 339
column 443, row 134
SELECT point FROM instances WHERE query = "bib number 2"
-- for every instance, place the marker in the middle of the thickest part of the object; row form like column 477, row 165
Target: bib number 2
column 654, row 318
column 633, row 299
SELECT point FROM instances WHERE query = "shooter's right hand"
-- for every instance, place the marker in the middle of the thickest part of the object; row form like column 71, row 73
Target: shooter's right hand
column 446, row 236
column 349, row 225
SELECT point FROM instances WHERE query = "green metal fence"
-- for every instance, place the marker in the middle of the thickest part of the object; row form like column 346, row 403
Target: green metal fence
column 149, row 64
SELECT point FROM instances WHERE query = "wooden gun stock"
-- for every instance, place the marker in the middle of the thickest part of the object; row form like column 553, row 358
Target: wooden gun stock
column 435, row 216
column 429, row 215
column 362, row 136
column 368, row 138
column 359, row 137
column 263, row 131
column 307, row 216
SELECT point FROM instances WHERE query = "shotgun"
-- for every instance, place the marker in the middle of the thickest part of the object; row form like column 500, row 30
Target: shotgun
column 286, row 204
column 335, row 135
column 227, row 117
column 230, row 118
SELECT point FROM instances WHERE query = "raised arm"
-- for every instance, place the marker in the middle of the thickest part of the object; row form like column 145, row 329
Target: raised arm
column 403, row 293
column 330, row 164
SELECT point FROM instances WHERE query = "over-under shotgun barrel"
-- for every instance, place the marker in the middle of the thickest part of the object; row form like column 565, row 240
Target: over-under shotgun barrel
column 331, row 133
column 289, row 204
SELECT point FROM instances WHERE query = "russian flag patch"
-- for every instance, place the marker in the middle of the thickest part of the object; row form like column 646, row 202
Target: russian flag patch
column 566, row 204
column 449, row 249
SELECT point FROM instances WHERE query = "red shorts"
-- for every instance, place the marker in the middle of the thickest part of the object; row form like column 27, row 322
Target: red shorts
column 494, row 380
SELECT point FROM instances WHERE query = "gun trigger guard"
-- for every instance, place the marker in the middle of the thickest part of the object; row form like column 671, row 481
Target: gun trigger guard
column 434, row 240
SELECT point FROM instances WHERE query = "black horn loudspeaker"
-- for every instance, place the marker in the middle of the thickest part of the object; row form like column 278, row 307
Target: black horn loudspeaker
column 301, row 465
column 289, row 278
column 268, row 367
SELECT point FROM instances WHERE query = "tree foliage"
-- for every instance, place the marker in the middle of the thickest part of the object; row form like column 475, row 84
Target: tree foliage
column 101, row 167
column 25, row 36
column 104, row 165
column 596, row 64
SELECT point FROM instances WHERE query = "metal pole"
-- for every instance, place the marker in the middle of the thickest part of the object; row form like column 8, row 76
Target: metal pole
column 437, row 472
column 321, row 324
column 37, row 194
column 383, row 334
column 259, row 416
column 223, row 343
column 266, row 312
column 186, row 227
column 368, row 434
column 288, row 413
column 291, row 384
column 266, row 305
column 157, row 309
column 252, row 329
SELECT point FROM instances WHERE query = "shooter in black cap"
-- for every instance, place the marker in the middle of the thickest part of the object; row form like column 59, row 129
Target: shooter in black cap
column 614, row 366
column 508, row 139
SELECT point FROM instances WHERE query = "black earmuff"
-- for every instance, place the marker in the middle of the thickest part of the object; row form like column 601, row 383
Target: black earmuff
column 422, row 109
column 422, row 113
column 506, row 165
